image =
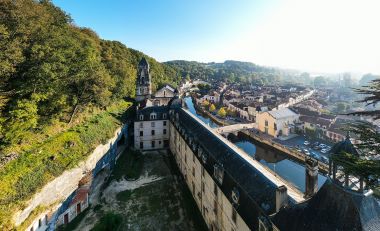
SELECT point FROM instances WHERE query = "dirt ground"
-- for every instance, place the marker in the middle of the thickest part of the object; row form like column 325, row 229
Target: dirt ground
column 157, row 200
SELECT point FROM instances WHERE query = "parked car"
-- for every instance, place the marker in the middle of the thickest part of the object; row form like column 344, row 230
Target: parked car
column 306, row 142
column 324, row 159
column 316, row 143
column 316, row 147
column 324, row 150
column 316, row 156
column 322, row 145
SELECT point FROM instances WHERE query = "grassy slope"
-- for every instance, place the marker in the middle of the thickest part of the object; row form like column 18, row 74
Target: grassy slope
column 41, row 160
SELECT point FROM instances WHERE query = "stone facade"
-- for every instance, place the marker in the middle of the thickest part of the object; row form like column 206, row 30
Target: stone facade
column 217, row 211
column 143, row 83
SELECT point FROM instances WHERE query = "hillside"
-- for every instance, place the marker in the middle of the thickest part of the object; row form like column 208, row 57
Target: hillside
column 235, row 71
column 62, row 92
column 51, row 69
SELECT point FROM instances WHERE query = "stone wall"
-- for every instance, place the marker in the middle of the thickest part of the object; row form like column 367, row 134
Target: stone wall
column 63, row 186
column 211, row 201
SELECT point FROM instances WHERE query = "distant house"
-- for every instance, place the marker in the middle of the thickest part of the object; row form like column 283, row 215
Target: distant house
column 163, row 95
column 77, row 205
column 317, row 124
column 277, row 122
column 213, row 97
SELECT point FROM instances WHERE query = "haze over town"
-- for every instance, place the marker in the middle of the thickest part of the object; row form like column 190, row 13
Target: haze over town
column 314, row 36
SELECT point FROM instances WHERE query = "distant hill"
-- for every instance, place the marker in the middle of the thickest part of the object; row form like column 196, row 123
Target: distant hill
column 234, row 71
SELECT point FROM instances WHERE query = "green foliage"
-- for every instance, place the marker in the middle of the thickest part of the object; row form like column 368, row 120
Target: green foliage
column 340, row 107
column 54, row 76
column 124, row 195
column 212, row 108
column 108, row 222
column 367, row 79
column 233, row 72
column 51, row 69
column 21, row 178
column 222, row 112
column 320, row 81
column 205, row 103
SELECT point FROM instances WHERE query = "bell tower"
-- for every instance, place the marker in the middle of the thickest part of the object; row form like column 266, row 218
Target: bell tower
column 143, row 82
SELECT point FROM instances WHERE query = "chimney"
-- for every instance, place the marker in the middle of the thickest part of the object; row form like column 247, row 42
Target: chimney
column 281, row 197
column 311, row 177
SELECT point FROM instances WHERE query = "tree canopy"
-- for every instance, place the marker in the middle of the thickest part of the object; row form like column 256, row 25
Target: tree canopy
column 51, row 69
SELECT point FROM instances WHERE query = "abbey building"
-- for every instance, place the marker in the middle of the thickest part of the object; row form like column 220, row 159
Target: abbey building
column 233, row 191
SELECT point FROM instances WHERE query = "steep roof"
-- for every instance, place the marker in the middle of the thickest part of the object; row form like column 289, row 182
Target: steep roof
column 257, row 193
column 344, row 146
column 282, row 113
column 159, row 110
column 332, row 208
column 315, row 120
column 143, row 62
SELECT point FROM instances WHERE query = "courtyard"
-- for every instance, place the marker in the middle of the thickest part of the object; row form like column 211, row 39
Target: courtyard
column 143, row 192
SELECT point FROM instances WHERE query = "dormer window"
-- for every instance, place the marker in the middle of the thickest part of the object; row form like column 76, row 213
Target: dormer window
column 219, row 173
column 141, row 117
column 235, row 196
column 204, row 158
column 200, row 152
column 153, row 116
column 164, row 116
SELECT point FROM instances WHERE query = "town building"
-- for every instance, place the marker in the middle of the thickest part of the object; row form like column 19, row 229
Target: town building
column 234, row 191
column 277, row 122
column 151, row 128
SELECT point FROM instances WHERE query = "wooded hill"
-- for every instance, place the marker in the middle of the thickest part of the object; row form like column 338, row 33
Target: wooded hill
column 236, row 71
column 50, row 68
column 62, row 91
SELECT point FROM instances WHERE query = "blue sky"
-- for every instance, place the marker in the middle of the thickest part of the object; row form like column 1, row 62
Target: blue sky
column 321, row 35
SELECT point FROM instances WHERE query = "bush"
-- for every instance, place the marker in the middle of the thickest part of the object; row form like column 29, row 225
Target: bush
column 108, row 222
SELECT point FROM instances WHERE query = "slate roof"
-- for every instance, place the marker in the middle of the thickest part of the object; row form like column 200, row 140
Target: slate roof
column 80, row 196
column 282, row 113
column 143, row 62
column 344, row 146
column 315, row 120
column 332, row 208
column 257, row 193
column 159, row 110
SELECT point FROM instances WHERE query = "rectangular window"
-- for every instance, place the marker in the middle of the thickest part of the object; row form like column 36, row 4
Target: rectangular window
column 203, row 187
column 141, row 133
column 275, row 126
column 153, row 143
column 185, row 158
column 164, row 116
column 193, row 187
column 215, row 207
column 141, row 117
column 141, row 125
column 141, row 145
column 164, row 131
column 266, row 122
column 233, row 215
column 153, row 124
column 193, row 172
column 39, row 223
column 203, row 172
column 215, row 189
column 153, row 132
column 164, row 123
